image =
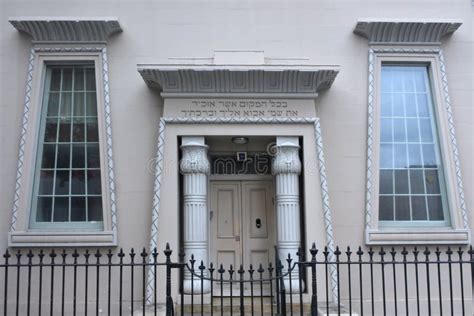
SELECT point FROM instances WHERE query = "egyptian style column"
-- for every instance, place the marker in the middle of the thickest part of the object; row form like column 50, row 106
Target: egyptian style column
column 286, row 168
column 195, row 168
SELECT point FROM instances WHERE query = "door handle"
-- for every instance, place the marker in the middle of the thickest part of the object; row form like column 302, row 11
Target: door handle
column 237, row 238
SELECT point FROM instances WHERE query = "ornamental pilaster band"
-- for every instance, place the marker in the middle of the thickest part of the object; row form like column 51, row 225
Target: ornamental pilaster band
column 286, row 168
column 195, row 168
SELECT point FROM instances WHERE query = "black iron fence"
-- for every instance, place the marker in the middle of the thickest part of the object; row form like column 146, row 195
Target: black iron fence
column 358, row 282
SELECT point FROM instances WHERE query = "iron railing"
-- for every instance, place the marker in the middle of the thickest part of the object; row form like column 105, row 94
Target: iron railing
column 368, row 282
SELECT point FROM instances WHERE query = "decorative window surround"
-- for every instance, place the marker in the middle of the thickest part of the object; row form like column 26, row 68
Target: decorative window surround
column 396, row 40
column 59, row 39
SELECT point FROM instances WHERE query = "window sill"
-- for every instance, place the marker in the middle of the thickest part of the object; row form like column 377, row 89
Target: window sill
column 61, row 239
column 428, row 236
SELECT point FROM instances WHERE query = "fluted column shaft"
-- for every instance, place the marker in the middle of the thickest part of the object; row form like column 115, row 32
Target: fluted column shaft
column 195, row 167
column 286, row 168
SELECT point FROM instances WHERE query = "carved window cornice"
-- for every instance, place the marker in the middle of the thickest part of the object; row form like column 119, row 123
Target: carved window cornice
column 393, row 31
column 67, row 29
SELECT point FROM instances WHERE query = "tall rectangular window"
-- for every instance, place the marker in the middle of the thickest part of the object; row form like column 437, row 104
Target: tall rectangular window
column 67, row 187
column 411, row 178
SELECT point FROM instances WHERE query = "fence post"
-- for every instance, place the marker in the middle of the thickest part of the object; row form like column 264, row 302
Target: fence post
column 282, row 288
column 169, row 300
column 314, row 290
column 241, row 272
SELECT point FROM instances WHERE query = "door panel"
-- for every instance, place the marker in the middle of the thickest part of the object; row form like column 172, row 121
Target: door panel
column 225, row 223
column 259, row 222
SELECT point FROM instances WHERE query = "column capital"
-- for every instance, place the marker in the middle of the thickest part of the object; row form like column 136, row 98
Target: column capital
column 287, row 158
column 194, row 158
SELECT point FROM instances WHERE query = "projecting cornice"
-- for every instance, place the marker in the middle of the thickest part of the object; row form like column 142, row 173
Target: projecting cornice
column 426, row 31
column 67, row 29
column 238, row 80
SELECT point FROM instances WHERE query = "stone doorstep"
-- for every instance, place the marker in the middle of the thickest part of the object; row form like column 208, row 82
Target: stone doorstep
column 322, row 310
column 161, row 309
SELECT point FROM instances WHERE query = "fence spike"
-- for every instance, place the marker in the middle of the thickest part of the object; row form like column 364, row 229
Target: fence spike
column 144, row 254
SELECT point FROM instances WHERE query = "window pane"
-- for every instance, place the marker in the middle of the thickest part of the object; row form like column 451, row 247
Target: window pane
column 51, row 130
column 91, row 104
column 429, row 158
column 93, row 182
column 418, row 205
column 400, row 156
column 79, row 107
column 46, row 182
column 398, row 107
column 78, row 182
column 92, row 131
column 55, row 79
column 413, row 135
column 410, row 105
column 416, row 182
column 432, row 182
column 62, row 182
column 53, row 104
column 78, row 131
column 386, row 182
column 399, row 134
column 66, row 104
column 414, row 153
column 93, row 158
column 78, row 209
column 64, row 156
column 61, row 209
column 78, row 156
column 49, row 156
column 425, row 131
column 44, row 209
column 402, row 208
column 422, row 103
column 64, row 130
column 386, row 130
column 401, row 181
column 386, row 156
column 435, row 207
column 386, row 208
column 67, row 79
column 79, row 79
column 90, row 79
column 94, row 205
column 386, row 105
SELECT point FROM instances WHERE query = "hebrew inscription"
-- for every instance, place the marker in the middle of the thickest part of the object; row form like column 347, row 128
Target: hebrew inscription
column 238, row 108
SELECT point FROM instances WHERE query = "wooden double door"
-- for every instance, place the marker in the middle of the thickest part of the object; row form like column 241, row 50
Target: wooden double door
column 242, row 223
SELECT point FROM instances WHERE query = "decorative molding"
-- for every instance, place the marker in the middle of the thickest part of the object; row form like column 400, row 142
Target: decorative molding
column 24, row 131
column 237, row 120
column 405, row 31
column 370, row 129
column 67, row 29
column 212, row 80
column 107, row 124
column 326, row 208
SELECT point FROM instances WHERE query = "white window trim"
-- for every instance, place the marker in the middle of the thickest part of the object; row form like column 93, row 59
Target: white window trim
column 20, row 234
column 458, row 232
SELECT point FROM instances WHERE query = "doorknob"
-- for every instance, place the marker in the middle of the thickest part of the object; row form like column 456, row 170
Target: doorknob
column 237, row 238
column 258, row 222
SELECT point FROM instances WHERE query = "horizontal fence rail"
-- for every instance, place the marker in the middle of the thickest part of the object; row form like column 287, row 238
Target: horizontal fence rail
column 397, row 281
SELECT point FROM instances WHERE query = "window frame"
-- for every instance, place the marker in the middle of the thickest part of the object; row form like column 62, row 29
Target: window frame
column 457, row 231
column 22, row 234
